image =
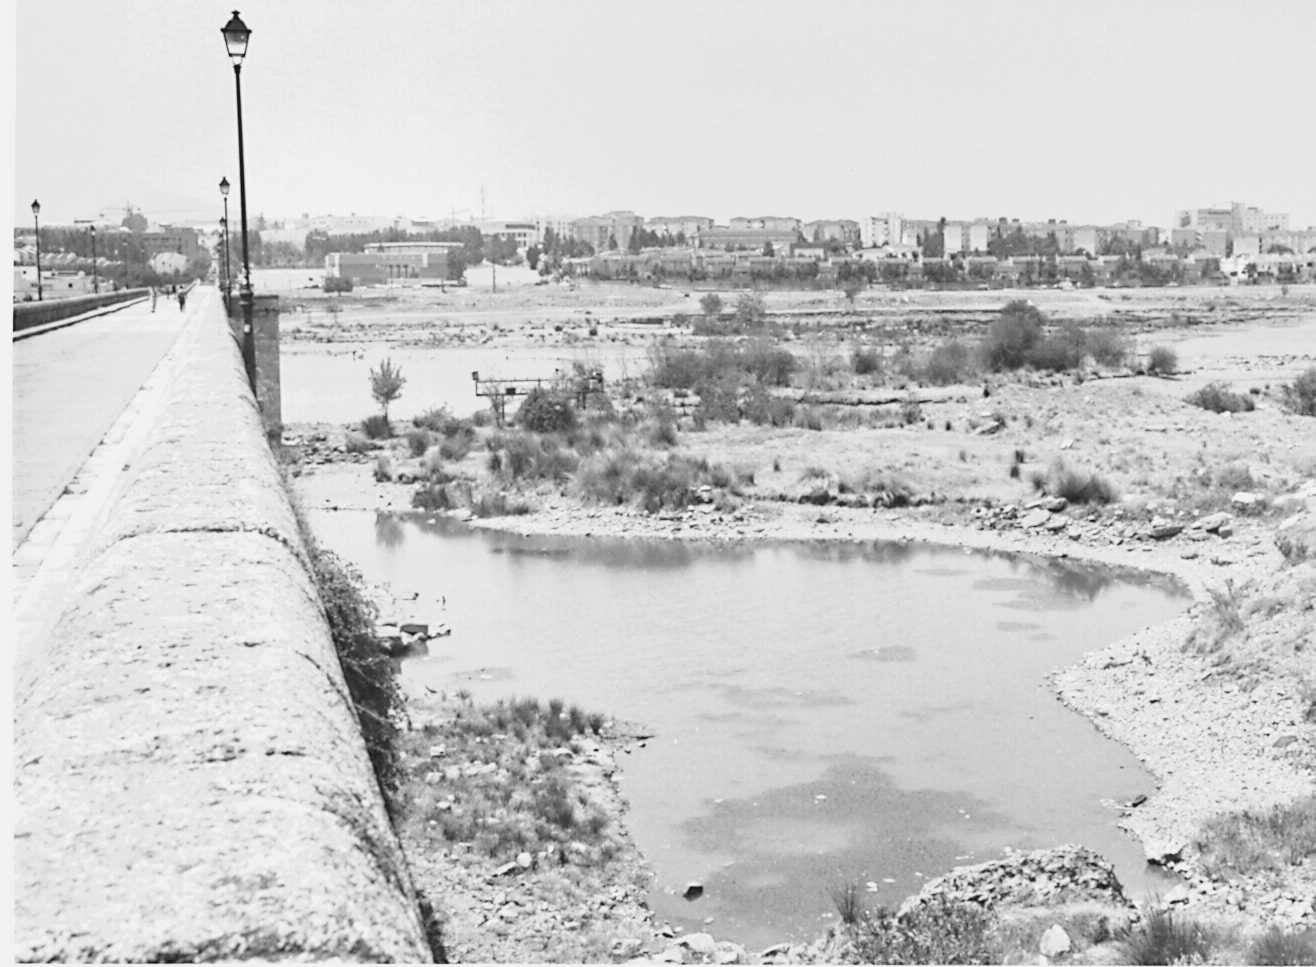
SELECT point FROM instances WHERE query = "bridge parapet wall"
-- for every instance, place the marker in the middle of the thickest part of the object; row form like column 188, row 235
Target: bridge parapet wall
column 190, row 780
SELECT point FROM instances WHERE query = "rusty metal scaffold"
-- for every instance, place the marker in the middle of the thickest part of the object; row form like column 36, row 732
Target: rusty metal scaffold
column 577, row 385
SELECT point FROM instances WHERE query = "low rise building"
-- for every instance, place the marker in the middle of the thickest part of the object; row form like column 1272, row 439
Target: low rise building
column 843, row 230
column 385, row 261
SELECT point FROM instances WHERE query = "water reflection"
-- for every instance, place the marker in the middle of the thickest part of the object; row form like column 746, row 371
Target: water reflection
column 804, row 839
column 389, row 532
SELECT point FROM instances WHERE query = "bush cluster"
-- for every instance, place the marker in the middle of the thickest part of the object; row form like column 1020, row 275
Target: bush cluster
column 939, row 932
column 1162, row 361
column 1300, row 395
column 623, row 476
column 545, row 412
column 1076, row 486
column 1018, row 338
column 719, row 360
column 520, row 795
column 370, row 675
column 1219, row 398
column 377, row 427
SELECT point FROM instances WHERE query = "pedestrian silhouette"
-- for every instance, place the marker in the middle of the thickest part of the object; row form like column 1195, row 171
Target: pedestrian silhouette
column 153, row 297
column 182, row 299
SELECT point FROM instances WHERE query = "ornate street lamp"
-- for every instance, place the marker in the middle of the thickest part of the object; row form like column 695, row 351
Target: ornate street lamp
column 36, row 224
column 95, row 274
column 223, row 222
column 236, row 36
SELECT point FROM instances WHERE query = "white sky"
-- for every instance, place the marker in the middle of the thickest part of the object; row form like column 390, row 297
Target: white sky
column 1088, row 111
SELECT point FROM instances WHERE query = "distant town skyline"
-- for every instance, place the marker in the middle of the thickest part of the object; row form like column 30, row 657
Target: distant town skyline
column 1019, row 110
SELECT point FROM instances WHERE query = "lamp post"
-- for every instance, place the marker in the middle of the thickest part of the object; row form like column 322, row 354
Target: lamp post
column 228, row 272
column 36, row 224
column 95, row 273
column 236, row 36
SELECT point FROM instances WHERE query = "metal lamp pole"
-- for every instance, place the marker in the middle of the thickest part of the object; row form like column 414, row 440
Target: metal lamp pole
column 36, row 223
column 95, row 274
column 228, row 271
column 236, row 36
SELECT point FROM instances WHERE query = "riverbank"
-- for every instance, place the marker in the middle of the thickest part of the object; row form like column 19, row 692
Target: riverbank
column 1146, row 692
column 1112, row 465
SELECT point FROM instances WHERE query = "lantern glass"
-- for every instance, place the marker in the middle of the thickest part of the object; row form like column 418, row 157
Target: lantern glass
column 36, row 207
column 236, row 36
column 223, row 187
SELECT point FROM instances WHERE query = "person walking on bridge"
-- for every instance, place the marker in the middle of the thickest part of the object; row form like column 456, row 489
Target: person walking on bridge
column 182, row 299
column 153, row 297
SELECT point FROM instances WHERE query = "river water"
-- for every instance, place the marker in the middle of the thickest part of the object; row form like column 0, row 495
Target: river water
column 821, row 713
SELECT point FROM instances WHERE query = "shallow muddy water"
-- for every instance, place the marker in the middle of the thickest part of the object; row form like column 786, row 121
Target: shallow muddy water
column 821, row 713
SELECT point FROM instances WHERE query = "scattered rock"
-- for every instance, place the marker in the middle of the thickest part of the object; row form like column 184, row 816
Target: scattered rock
column 1177, row 895
column 1054, row 941
column 1247, row 502
column 524, row 860
column 1162, row 529
column 693, row 891
column 1211, row 523
column 1055, row 504
column 1065, row 874
column 701, row 944
column 1035, row 518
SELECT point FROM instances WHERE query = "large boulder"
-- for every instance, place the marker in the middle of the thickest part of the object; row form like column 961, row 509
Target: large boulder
column 1296, row 538
column 1065, row 874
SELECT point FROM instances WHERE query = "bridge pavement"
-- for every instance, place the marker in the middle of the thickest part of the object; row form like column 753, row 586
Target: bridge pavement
column 69, row 387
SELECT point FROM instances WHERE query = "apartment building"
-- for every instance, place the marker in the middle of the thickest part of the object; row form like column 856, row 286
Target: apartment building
column 602, row 232
column 687, row 225
column 766, row 223
column 843, row 230
column 884, row 229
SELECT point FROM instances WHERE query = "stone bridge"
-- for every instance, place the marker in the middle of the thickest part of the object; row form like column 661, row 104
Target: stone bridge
column 190, row 782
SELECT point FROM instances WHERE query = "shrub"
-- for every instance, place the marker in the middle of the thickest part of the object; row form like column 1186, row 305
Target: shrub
column 711, row 305
column 545, row 412
column 1300, row 395
column 1059, row 351
column 370, row 675
column 1012, row 335
column 522, row 455
column 1078, row 486
column 1276, row 947
column 1162, row 361
column 377, row 427
column 865, row 362
column 1245, row 842
column 770, row 364
column 1159, row 938
column 911, row 412
column 948, row 363
column 939, row 932
column 764, row 409
column 497, row 505
column 418, row 441
column 1108, row 347
column 1218, row 398
column 457, row 446
column 383, row 468
column 356, row 443
column 750, row 310
column 846, row 899
column 333, row 283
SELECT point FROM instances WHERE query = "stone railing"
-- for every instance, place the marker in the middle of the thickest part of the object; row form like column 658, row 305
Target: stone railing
column 190, row 781
column 29, row 314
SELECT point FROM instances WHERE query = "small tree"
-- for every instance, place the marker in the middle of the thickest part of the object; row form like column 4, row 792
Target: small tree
column 750, row 310
column 711, row 305
column 386, row 384
column 852, row 290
